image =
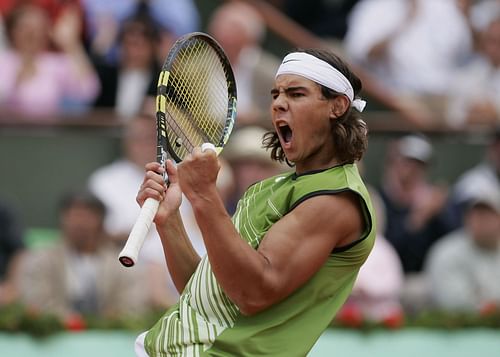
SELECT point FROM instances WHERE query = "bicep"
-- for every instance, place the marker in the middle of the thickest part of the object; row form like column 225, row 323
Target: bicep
column 298, row 245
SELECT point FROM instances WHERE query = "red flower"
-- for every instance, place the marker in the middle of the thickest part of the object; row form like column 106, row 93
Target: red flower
column 75, row 323
column 489, row 308
column 394, row 320
column 350, row 315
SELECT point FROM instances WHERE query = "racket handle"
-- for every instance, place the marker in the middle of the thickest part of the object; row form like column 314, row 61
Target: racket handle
column 128, row 255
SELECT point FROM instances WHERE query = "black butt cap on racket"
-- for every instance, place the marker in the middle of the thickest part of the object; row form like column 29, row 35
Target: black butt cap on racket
column 126, row 262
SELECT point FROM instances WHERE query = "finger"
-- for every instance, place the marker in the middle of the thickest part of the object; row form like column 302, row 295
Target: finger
column 149, row 193
column 173, row 178
column 155, row 166
column 155, row 184
column 153, row 175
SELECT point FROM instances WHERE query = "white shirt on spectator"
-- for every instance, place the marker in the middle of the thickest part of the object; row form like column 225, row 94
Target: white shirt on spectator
column 424, row 53
column 462, row 275
column 478, row 81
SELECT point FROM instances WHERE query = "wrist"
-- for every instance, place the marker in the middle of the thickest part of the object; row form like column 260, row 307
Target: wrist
column 207, row 199
column 165, row 223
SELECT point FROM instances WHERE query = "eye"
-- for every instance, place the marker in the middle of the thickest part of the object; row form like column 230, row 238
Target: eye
column 296, row 94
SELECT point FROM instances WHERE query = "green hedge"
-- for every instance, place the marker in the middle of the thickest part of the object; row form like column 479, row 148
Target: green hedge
column 17, row 318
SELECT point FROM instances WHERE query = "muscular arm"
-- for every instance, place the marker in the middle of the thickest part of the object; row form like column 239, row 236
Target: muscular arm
column 180, row 255
column 292, row 251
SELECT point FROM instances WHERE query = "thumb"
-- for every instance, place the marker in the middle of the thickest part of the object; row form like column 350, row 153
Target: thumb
column 171, row 172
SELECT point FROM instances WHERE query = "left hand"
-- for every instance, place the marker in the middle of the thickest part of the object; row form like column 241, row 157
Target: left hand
column 198, row 173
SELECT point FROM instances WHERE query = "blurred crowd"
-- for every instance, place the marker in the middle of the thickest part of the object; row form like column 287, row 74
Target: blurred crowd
column 437, row 62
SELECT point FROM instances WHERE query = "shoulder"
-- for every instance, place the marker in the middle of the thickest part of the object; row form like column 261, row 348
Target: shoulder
column 340, row 213
column 332, row 181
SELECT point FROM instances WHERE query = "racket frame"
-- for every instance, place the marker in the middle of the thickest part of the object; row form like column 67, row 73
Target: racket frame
column 129, row 254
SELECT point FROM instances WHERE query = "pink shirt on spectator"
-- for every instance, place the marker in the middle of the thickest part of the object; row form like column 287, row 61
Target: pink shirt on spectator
column 55, row 80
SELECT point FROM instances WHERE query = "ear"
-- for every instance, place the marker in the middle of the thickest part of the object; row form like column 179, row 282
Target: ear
column 339, row 106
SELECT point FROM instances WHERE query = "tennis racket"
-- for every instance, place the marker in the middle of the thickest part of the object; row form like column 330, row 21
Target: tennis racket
column 195, row 106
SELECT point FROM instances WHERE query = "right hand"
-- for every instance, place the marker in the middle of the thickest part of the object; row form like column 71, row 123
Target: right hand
column 153, row 186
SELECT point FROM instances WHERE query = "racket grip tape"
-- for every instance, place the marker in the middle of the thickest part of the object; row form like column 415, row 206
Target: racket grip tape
column 130, row 252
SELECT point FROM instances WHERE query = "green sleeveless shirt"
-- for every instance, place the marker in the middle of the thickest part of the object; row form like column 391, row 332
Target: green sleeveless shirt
column 206, row 323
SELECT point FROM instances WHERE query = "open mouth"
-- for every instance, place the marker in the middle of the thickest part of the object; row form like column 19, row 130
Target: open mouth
column 286, row 133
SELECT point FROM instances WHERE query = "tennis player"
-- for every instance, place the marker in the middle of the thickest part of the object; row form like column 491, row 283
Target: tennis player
column 276, row 273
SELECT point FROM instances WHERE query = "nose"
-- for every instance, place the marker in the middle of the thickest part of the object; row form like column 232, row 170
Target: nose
column 279, row 103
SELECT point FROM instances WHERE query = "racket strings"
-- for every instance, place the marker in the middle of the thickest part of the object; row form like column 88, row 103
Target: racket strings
column 198, row 78
column 197, row 97
column 177, row 130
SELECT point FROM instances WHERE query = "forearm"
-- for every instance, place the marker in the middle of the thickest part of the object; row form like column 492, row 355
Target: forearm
column 180, row 255
column 232, row 259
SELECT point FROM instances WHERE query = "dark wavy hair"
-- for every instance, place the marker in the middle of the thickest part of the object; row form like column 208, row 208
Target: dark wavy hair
column 349, row 131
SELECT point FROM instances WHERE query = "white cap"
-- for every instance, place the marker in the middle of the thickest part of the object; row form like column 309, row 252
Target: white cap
column 483, row 14
column 415, row 147
column 487, row 195
column 246, row 144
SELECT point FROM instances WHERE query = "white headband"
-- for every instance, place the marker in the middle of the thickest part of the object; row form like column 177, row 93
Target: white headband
column 317, row 70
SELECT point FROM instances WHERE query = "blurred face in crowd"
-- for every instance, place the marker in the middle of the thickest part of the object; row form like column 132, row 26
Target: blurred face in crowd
column 82, row 227
column 138, row 49
column 409, row 171
column 491, row 42
column 231, row 37
column 483, row 223
column 235, row 26
column 29, row 30
column 140, row 140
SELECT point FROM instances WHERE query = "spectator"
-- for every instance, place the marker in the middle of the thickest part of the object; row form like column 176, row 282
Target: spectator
column 415, row 50
column 485, row 174
column 240, row 29
column 79, row 274
column 115, row 184
column 54, row 8
column 475, row 93
column 463, row 269
column 37, row 82
column 324, row 18
column 413, row 205
column 125, row 85
column 11, row 250
column 104, row 20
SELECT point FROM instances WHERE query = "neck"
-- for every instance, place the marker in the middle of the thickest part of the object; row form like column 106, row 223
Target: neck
column 301, row 168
